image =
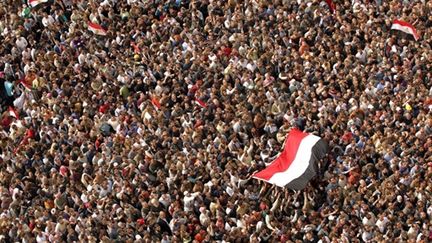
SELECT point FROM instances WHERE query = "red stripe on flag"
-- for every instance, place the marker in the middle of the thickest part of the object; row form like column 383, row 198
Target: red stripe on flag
column 13, row 112
column 331, row 5
column 283, row 162
column 97, row 29
column 405, row 27
column 26, row 85
column 201, row 103
column 155, row 103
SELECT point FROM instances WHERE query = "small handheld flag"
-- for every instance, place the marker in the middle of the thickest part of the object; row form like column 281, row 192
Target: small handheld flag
column 97, row 29
column 405, row 27
column 34, row 3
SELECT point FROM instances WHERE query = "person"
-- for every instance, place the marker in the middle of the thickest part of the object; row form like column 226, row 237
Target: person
column 153, row 131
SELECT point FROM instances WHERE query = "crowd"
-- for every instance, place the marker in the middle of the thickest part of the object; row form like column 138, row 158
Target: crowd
column 151, row 132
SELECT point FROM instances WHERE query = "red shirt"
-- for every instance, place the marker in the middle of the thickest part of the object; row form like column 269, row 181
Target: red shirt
column 227, row 51
column 103, row 108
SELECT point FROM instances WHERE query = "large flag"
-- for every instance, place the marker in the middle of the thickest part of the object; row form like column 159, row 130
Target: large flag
column 97, row 29
column 34, row 3
column 405, row 27
column 297, row 163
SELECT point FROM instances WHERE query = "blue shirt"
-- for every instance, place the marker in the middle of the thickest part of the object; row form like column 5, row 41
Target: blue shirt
column 9, row 88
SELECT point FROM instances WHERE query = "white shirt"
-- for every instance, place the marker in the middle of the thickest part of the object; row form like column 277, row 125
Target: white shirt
column 188, row 201
column 82, row 58
column 84, row 198
column 382, row 224
column 204, row 219
column 41, row 238
column 366, row 236
column 21, row 43
column 47, row 21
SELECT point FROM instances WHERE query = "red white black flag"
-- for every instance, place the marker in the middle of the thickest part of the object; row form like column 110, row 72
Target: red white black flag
column 12, row 112
column 405, row 27
column 297, row 163
column 97, row 29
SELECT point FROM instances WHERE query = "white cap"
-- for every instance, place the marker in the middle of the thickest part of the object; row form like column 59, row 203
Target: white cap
column 399, row 198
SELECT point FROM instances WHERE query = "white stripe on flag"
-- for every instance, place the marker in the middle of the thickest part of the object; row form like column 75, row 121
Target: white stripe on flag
column 405, row 27
column 299, row 164
column 97, row 29
column 200, row 103
column 26, row 86
column 34, row 3
column 13, row 113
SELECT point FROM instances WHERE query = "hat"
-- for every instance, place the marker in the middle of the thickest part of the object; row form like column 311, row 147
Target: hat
column 119, row 210
column 140, row 221
column 399, row 198
column 408, row 107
